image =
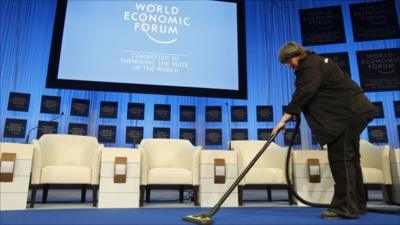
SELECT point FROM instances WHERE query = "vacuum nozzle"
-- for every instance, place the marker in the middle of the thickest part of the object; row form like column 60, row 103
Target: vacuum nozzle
column 202, row 219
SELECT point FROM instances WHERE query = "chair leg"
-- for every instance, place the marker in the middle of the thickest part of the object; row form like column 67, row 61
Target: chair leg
column 387, row 193
column 196, row 195
column 269, row 193
column 148, row 193
column 366, row 192
column 181, row 190
column 95, row 189
column 240, row 194
column 45, row 192
column 142, row 191
column 83, row 192
column 33, row 195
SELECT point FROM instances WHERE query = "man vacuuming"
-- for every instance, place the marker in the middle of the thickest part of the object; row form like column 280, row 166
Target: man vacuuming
column 337, row 111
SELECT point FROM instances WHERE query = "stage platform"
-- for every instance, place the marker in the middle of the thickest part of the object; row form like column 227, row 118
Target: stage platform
column 172, row 216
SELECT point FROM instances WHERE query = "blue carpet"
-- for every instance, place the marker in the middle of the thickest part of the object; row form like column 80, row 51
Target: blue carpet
column 158, row 216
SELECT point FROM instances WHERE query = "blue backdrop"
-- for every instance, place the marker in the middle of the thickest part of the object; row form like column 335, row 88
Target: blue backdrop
column 25, row 36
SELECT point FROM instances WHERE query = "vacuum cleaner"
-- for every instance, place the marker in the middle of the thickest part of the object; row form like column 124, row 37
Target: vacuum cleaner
column 206, row 218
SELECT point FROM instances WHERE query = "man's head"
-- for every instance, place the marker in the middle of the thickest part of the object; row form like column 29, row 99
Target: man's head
column 292, row 53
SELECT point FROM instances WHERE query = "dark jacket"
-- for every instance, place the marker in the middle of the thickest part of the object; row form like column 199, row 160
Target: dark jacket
column 327, row 96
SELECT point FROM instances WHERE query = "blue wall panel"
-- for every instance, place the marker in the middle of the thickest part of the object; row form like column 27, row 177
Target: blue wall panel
column 26, row 31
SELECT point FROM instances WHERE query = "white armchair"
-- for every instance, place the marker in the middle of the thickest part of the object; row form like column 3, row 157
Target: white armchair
column 268, row 170
column 169, row 162
column 65, row 159
column 375, row 166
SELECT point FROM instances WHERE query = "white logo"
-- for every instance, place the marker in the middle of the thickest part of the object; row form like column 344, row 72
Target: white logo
column 160, row 23
column 381, row 62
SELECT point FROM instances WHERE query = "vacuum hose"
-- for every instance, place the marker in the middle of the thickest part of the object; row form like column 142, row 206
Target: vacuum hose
column 313, row 204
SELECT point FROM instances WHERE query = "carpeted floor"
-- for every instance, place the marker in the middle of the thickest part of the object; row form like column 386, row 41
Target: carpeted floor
column 173, row 216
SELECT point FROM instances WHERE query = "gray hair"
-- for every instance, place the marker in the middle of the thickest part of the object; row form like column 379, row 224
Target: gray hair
column 289, row 50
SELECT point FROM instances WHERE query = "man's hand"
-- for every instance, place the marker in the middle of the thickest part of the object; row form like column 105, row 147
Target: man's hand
column 281, row 125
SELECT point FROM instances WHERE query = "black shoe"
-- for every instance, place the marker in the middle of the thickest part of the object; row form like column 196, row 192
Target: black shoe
column 328, row 214
column 331, row 214
column 362, row 211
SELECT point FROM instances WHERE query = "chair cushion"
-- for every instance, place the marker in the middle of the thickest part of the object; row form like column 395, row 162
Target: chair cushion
column 265, row 176
column 170, row 176
column 66, row 175
column 372, row 175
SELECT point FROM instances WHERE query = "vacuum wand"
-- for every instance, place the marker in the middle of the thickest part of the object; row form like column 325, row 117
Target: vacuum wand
column 206, row 218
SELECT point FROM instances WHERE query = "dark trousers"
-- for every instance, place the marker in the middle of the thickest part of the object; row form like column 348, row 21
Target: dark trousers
column 344, row 160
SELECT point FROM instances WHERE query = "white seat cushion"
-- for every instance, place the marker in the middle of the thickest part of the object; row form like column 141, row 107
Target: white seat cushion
column 170, row 176
column 66, row 175
column 265, row 176
column 372, row 175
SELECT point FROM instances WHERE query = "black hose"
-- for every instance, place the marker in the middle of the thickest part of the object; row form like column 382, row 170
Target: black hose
column 313, row 204
column 290, row 185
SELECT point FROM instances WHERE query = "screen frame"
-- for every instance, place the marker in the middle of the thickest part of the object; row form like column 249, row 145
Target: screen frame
column 53, row 81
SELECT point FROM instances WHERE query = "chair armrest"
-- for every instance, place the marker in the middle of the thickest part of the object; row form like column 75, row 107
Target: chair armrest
column 196, row 165
column 240, row 166
column 36, row 163
column 143, row 166
column 387, row 176
column 96, row 166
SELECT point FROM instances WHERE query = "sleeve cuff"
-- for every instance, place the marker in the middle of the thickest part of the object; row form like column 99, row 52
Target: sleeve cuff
column 292, row 110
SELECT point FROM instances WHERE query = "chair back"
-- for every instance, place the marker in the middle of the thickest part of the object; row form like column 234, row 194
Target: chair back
column 168, row 153
column 371, row 154
column 63, row 149
column 273, row 157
